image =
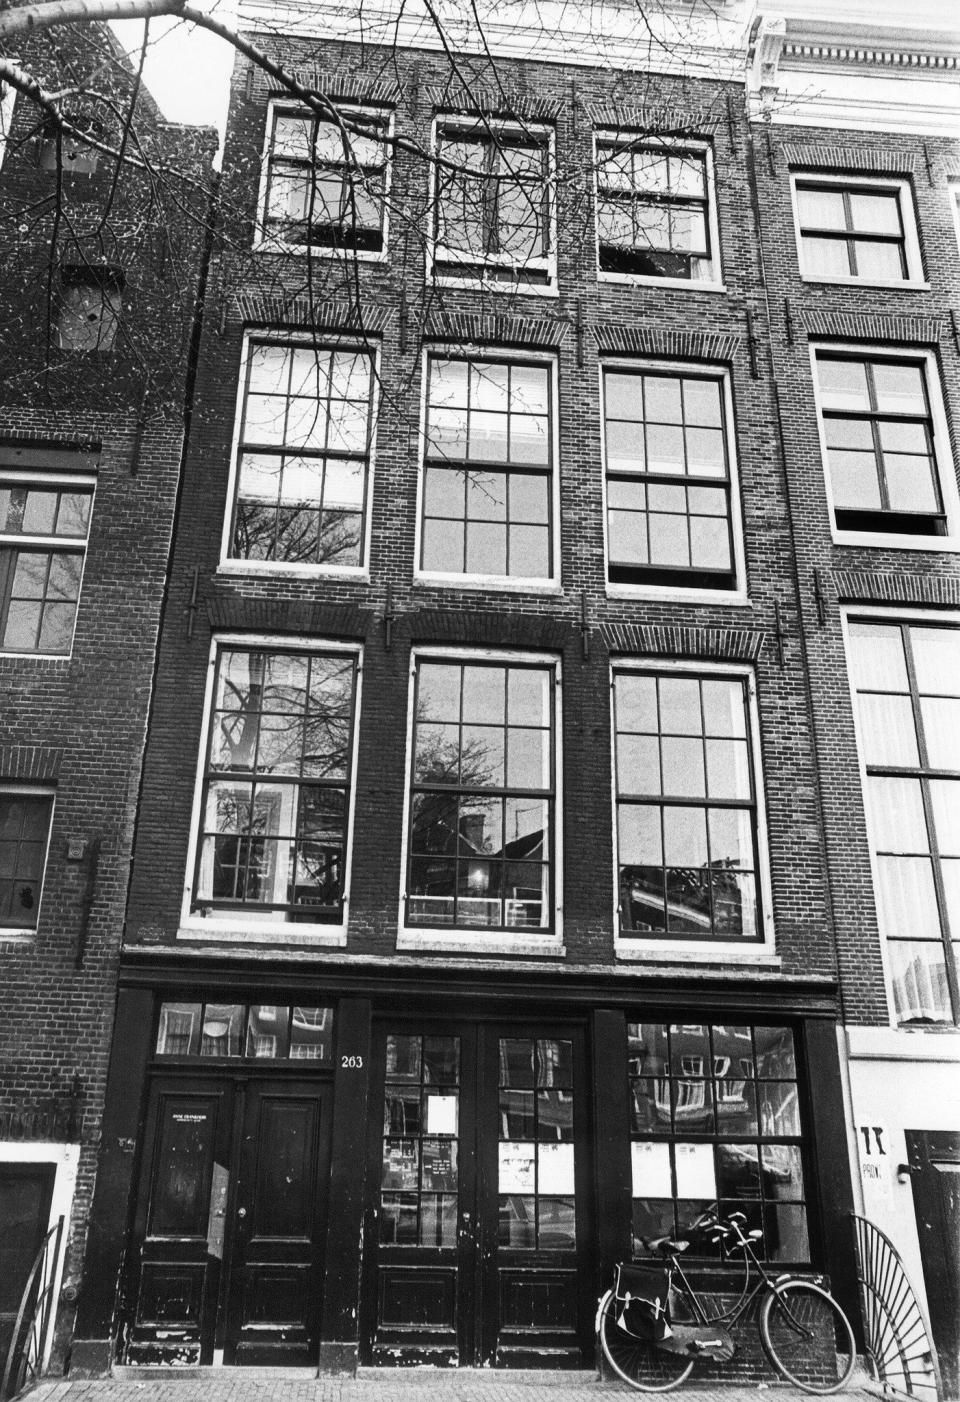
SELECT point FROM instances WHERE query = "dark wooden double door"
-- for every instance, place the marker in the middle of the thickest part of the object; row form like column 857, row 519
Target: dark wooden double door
column 477, row 1234
column 228, row 1231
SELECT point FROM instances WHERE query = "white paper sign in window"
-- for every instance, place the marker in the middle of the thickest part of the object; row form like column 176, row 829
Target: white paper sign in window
column 555, row 1165
column 651, row 1170
column 695, row 1173
column 441, row 1114
column 517, row 1167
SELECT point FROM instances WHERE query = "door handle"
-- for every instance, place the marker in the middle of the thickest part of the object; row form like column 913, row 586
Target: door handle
column 466, row 1221
column 241, row 1212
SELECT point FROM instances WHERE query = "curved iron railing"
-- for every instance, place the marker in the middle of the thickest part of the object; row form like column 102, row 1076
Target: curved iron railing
column 897, row 1337
column 28, row 1342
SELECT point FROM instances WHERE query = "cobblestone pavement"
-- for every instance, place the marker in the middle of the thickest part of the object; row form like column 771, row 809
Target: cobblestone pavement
column 400, row 1385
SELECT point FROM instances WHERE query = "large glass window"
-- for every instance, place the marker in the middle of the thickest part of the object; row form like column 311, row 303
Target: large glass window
column 856, row 230
column 303, row 455
column 480, row 851
column 273, row 827
column 668, row 480
column 493, row 213
column 487, row 473
column 261, row 1031
column 907, row 682
column 687, row 849
column 878, row 431
column 715, row 1122
column 536, row 1161
column 44, row 524
column 326, row 182
column 24, row 833
column 421, row 1123
column 653, row 210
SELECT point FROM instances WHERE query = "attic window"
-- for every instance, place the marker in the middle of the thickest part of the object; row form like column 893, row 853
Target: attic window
column 76, row 156
column 89, row 311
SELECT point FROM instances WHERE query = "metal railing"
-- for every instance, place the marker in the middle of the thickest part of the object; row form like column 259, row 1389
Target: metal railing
column 899, row 1345
column 28, row 1343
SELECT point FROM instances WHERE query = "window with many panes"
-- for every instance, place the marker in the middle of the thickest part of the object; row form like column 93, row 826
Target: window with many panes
column 715, row 1123
column 24, row 834
column 493, row 217
column 326, row 182
column 654, row 215
column 856, row 229
column 303, row 455
column 537, row 1208
column 487, row 491
column 420, row 1162
column 272, row 843
column 670, row 504
column 881, row 440
column 687, row 820
column 44, row 525
column 480, row 851
column 259, row 1031
column 906, row 678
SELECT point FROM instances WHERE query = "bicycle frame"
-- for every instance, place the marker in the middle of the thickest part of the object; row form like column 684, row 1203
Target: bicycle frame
column 752, row 1266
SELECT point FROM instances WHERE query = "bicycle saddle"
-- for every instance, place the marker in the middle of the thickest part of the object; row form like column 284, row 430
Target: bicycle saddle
column 665, row 1244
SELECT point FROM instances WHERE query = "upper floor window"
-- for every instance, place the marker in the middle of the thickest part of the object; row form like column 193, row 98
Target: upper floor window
column 906, row 678
column 272, row 841
column 44, row 524
column 326, row 182
column 303, row 455
column 24, row 835
column 688, row 846
column 480, row 853
column 90, row 304
column 671, row 503
column 885, row 444
column 656, row 215
column 861, row 230
column 488, row 490
column 493, row 216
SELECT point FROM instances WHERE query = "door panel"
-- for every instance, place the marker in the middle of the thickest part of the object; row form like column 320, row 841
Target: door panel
column 272, row 1312
column 472, row 1231
column 26, row 1192
column 181, row 1204
column 935, row 1160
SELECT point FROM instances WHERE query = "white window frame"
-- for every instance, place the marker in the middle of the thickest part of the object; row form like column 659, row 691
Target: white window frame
column 449, row 939
column 265, row 242
column 39, row 478
column 715, row 282
column 942, row 448
column 694, row 594
column 914, row 281
column 931, row 618
column 26, row 934
column 954, row 195
column 8, row 99
column 232, row 564
column 650, row 950
column 506, row 583
column 231, row 928
column 539, row 133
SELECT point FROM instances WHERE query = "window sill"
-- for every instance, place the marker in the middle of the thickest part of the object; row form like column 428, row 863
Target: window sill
column 36, row 656
column 733, row 598
column 303, row 250
column 233, row 567
column 17, row 936
column 472, row 942
column 681, row 952
column 479, row 284
column 879, row 540
column 644, row 280
column 938, row 1042
column 261, row 932
column 496, row 582
column 900, row 285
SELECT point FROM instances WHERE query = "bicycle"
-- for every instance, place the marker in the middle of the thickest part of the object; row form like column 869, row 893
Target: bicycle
column 654, row 1350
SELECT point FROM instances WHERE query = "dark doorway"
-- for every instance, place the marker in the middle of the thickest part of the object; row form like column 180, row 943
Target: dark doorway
column 26, row 1192
column 478, row 1171
column 935, row 1162
column 229, row 1222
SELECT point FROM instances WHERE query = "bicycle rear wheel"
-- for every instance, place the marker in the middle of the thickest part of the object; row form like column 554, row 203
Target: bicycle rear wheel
column 638, row 1363
column 807, row 1337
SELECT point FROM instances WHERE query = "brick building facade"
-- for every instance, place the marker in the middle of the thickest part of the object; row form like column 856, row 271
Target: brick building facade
column 98, row 307
column 492, row 905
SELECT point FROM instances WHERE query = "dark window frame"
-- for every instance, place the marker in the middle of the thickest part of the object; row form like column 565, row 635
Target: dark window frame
column 109, row 282
column 15, row 543
column 883, row 519
column 346, row 232
column 850, row 236
column 640, row 260
column 506, row 469
column 675, row 576
column 248, row 857
column 41, row 804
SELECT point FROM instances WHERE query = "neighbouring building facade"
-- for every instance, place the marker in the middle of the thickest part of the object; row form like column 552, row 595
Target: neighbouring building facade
column 97, row 306
column 502, row 890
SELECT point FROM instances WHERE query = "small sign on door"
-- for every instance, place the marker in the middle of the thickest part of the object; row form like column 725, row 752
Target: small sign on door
column 873, row 1145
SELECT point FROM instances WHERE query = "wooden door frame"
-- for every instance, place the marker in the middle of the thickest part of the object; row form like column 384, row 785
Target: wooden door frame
column 923, row 1153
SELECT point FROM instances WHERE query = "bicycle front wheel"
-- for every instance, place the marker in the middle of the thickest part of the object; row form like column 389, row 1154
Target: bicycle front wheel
column 638, row 1363
column 807, row 1337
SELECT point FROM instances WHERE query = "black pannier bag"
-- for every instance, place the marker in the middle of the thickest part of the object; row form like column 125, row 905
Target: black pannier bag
column 643, row 1296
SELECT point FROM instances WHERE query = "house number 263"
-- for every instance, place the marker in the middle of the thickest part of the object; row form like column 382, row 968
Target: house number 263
column 351, row 1063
